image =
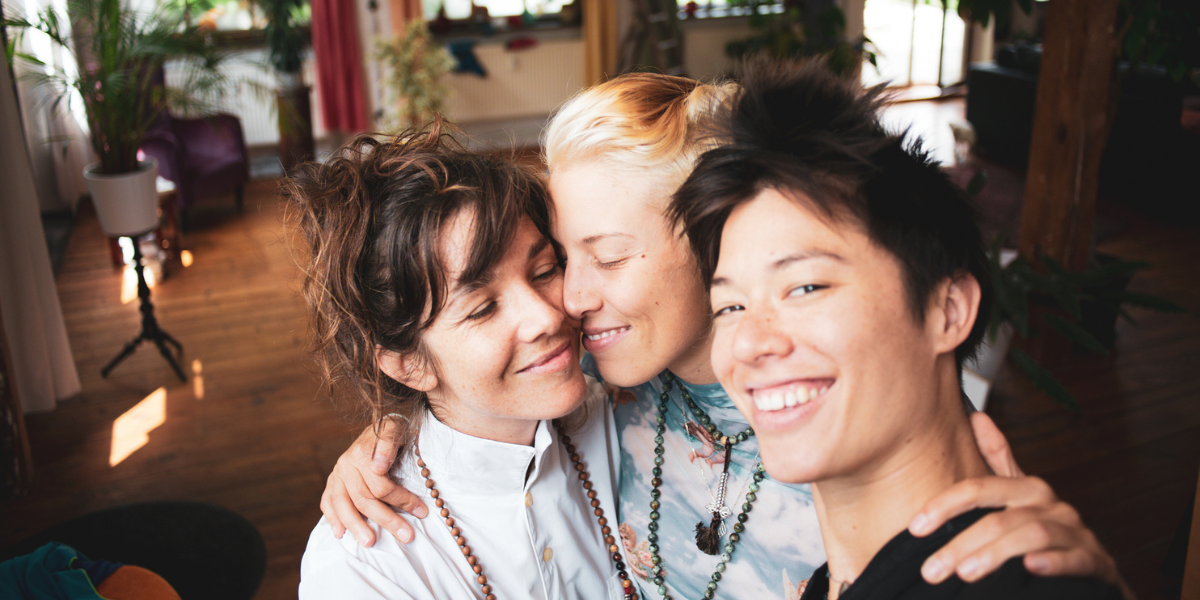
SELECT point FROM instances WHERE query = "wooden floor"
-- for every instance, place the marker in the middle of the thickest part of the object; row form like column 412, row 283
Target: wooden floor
column 249, row 431
column 260, row 438
column 1129, row 460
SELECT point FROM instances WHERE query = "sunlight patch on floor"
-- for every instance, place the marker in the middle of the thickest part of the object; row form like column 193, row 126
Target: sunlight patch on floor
column 132, row 430
column 198, row 379
column 129, row 287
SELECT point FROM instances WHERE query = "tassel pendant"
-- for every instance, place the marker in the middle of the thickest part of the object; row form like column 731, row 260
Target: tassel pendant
column 708, row 538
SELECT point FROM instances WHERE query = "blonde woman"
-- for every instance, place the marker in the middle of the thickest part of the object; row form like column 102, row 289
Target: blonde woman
column 698, row 516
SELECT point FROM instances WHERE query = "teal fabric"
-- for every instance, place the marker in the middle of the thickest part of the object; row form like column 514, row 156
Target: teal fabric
column 53, row 572
column 781, row 546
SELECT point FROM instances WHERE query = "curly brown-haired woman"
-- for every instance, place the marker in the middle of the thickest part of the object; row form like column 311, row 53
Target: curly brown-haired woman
column 435, row 297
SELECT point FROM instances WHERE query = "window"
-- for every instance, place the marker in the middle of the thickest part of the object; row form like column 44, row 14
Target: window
column 729, row 8
column 461, row 9
column 919, row 42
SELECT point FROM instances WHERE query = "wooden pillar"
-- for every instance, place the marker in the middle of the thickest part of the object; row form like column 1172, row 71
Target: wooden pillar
column 1075, row 101
column 599, row 41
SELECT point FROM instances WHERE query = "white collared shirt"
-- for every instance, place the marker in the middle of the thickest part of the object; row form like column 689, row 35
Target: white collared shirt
column 535, row 537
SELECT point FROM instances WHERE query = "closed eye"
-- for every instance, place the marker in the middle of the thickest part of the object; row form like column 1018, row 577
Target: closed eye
column 483, row 311
column 611, row 264
column 550, row 272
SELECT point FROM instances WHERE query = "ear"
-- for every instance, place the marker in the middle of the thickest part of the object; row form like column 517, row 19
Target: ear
column 406, row 369
column 954, row 310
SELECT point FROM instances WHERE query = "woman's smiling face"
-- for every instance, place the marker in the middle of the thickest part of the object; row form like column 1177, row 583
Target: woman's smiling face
column 816, row 343
column 503, row 354
column 630, row 278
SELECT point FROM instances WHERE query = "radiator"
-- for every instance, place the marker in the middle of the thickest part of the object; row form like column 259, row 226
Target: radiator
column 252, row 97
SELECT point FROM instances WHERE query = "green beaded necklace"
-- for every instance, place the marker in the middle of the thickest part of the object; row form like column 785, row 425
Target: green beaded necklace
column 710, row 534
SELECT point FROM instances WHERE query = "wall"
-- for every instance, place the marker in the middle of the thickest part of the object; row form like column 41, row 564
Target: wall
column 704, row 43
column 519, row 84
column 523, row 87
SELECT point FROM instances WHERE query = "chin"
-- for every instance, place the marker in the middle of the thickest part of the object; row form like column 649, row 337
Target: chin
column 567, row 397
column 786, row 465
column 624, row 373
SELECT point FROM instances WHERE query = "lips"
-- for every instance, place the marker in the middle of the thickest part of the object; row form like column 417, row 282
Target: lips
column 596, row 339
column 556, row 358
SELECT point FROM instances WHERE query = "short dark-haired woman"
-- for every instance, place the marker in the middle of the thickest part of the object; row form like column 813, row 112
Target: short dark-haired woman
column 435, row 295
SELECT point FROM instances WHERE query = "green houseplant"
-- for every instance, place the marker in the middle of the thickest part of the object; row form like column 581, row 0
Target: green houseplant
column 120, row 54
column 416, row 68
column 805, row 28
column 286, row 41
column 1073, row 304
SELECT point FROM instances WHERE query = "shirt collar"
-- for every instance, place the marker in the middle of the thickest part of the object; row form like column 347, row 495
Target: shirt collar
column 462, row 464
column 897, row 566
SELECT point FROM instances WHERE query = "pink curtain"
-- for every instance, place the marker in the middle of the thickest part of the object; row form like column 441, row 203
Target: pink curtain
column 339, row 65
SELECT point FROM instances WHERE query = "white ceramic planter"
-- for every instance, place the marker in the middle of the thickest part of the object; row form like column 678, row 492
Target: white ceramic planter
column 981, row 371
column 127, row 204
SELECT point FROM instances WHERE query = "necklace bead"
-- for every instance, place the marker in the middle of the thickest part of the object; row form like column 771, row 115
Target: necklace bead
column 726, row 443
column 477, row 568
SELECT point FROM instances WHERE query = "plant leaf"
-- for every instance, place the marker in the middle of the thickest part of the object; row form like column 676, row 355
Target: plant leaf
column 1078, row 335
column 1141, row 300
column 978, row 180
column 1106, row 274
column 1042, row 378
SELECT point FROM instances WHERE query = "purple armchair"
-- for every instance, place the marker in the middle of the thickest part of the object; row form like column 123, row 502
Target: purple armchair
column 204, row 157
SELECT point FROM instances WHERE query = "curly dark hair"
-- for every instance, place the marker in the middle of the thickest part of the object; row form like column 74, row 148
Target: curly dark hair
column 371, row 218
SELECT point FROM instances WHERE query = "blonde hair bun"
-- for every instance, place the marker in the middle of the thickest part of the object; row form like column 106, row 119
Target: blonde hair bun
column 639, row 121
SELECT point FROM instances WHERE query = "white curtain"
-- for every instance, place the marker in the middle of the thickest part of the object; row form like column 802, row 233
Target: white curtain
column 43, row 368
column 57, row 139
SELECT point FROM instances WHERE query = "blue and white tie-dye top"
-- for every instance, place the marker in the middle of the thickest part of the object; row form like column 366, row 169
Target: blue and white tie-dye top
column 781, row 545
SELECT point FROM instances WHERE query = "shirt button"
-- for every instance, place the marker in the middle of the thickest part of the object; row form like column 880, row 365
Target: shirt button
column 528, row 499
column 547, row 554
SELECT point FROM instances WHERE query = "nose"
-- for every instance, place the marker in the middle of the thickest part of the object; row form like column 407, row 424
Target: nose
column 579, row 291
column 540, row 315
column 758, row 337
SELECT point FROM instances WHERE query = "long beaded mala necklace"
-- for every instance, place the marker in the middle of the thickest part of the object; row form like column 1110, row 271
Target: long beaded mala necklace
column 707, row 537
column 605, row 530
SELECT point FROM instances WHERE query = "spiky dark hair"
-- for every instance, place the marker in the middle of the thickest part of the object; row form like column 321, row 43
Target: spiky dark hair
column 800, row 128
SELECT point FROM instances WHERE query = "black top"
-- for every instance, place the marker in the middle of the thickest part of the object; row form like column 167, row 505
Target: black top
column 895, row 572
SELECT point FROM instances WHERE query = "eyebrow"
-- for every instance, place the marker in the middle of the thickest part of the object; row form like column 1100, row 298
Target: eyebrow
column 788, row 261
column 592, row 239
column 462, row 289
column 537, row 248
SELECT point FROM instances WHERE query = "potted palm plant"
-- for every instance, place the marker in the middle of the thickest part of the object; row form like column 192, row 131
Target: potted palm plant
column 286, row 40
column 1082, row 307
column 120, row 55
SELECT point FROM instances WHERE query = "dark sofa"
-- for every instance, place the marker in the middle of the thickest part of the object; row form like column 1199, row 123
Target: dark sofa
column 1147, row 140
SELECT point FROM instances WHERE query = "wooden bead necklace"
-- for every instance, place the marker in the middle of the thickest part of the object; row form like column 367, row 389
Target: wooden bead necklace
column 585, row 481
column 707, row 537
